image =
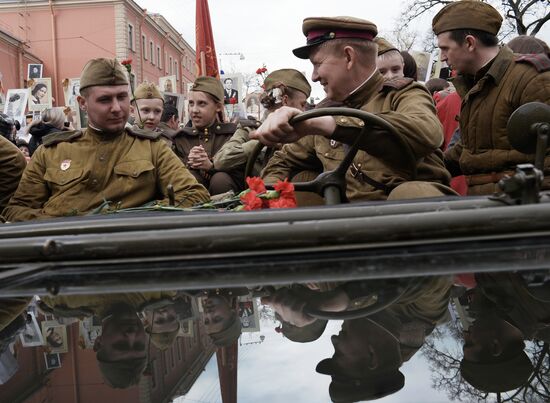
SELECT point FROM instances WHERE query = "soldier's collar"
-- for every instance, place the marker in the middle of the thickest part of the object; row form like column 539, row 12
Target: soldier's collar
column 365, row 91
column 496, row 68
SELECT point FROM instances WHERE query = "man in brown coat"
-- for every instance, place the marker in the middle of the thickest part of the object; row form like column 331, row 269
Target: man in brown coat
column 74, row 172
column 12, row 163
column 493, row 83
column 343, row 55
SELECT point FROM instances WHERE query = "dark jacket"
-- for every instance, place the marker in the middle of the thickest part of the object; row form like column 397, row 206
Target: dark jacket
column 38, row 131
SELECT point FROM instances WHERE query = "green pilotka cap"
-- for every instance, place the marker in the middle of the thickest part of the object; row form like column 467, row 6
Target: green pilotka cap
column 384, row 46
column 467, row 14
column 147, row 91
column 289, row 78
column 229, row 335
column 103, row 72
column 210, row 85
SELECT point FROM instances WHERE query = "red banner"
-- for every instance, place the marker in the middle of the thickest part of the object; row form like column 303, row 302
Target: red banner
column 207, row 62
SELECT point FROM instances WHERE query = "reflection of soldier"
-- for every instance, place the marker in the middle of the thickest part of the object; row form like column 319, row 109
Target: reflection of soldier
column 121, row 349
column 220, row 315
column 506, row 313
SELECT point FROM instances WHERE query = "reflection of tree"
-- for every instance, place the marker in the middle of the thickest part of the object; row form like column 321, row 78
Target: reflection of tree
column 443, row 351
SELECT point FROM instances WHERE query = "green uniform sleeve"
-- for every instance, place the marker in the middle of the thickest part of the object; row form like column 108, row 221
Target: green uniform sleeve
column 12, row 165
column 33, row 192
column 291, row 159
column 452, row 159
column 411, row 111
column 11, row 308
column 170, row 170
column 235, row 152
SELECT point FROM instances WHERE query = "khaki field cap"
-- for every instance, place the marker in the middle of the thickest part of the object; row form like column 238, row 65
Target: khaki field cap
column 103, row 72
column 321, row 29
column 290, row 78
column 384, row 46
column 467, row 14
column 147, row 91
column 210, row 85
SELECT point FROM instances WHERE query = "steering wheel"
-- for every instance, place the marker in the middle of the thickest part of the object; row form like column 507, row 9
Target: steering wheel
column 332, row 184
column 385, row 297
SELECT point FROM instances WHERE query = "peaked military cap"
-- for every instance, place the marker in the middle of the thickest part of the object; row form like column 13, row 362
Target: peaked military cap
column 322, row 29
column 384, row 46
column 467, row 14
column 290, row 78
column 147, row 91
column 103, row 72
column 210, row 85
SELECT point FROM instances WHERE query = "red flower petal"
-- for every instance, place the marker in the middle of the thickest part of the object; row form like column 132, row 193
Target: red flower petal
column 256, row 184
column 285, row 189
column 250, row 201
column 232, row 100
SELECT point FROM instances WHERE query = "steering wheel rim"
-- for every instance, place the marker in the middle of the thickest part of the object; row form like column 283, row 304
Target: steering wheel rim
column 338, row 177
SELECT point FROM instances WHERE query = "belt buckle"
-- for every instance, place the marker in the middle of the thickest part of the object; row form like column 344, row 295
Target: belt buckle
column 354, row 170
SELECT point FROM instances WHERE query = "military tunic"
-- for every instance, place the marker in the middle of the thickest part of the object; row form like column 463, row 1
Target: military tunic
column 375, row 170
column 488, row 100
column 12, row 165
column 212, row 139
column 73, row 172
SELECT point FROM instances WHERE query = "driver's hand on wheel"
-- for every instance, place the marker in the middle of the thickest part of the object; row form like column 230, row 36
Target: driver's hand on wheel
column 277, row 129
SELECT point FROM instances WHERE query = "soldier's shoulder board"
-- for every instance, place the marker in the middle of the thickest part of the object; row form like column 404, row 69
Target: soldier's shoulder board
column 540, row 61
column 249, row 123
column 60, row 137
column 397, row 83
column 143, row 133
column 225, row 128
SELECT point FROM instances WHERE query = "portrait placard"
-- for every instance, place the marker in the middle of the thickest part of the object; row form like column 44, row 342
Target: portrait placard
column 168, row 84
column 53, row 360
column 35, row 71
column 40, row 96
column 31, row 336
column 72, row 92
column 423, row 64
column 248, row 314
column 55, row 337
column 16, row 102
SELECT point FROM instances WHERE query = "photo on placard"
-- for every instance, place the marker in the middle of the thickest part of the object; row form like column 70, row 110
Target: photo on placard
column 71, row 92
column 168, row 84
column 55, row 337
column 423, row 64
column 71, row 116
column 186, row 328
column 35, row 71
column 253, row 106
column 16, row 102
column 171, row 98
column 31, row 335
column 248, row 314
column 53, row 360
column 232, row 97
column 88, row 332
column 40, row 96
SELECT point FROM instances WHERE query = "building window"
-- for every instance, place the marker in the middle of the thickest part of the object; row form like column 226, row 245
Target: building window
column 131, row 44
column 152, row 52
column 159, row 60
column 144, row 46
column 176, row 70
column 171, row 66
column 166, row 64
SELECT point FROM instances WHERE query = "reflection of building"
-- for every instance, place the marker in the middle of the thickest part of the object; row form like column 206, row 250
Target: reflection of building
column 66, row 34
column 172, row 372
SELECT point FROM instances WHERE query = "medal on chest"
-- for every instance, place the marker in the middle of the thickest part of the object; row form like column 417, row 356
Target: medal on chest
column 65, row 164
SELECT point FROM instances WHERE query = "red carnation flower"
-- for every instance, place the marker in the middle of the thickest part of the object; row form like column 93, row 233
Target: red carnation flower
column 232, row 100
column 285, row 189
column 259, row 71
column 282, row 203
column 256, row 184
column 125, row 62
column 251, row 201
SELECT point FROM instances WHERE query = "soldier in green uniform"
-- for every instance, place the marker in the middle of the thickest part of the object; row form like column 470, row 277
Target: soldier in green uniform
column 198, row 145
column 492, row 82
column 12, row 163
column 147, row 107
column 343, row 55
column 74, row 172
column 284, row 87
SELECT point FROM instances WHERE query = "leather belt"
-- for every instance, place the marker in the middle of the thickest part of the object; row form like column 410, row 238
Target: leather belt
column 360, row 175
column 483, row 179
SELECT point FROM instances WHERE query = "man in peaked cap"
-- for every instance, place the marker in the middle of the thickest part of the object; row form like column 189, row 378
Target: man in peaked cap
column 74, row 172
column 343, row 55
column 147, row 106
column 493, row 83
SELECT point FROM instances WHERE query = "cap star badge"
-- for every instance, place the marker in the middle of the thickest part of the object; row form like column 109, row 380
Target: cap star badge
column 65, row 164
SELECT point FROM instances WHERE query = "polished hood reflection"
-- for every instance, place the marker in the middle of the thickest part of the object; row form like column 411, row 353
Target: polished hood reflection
column 465, row 337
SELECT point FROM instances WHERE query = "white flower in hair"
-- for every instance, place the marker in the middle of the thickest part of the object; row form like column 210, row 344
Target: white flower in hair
column 277, row 94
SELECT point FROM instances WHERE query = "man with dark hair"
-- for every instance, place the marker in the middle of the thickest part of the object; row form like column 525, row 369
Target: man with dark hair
column 169, row 123
column 493, row 83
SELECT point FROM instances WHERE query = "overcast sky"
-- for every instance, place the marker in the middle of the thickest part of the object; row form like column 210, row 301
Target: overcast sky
column 266, row 31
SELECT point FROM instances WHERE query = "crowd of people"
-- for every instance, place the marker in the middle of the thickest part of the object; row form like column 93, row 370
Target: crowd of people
column 443, row 129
